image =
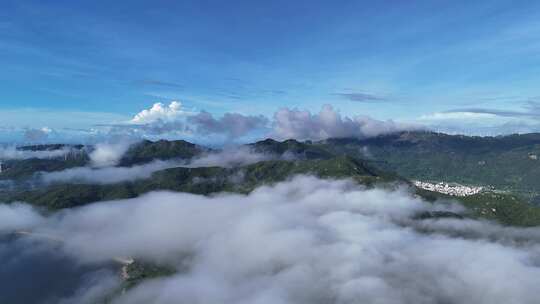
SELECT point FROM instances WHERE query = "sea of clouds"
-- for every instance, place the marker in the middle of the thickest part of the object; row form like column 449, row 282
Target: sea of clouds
column 305, row 240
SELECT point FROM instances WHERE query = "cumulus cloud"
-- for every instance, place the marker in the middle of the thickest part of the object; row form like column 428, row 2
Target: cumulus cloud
column 159, row 112
column 37, row 134
column 174, row 120
column 11, row 152
column 108, row 154
column 233, row 125
column 286, row 123
column 328, row 123
column 302, row 241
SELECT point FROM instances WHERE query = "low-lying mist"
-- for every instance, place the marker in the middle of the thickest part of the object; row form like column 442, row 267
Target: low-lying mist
column 306, row 240
column 11, row 152
column 108, row 154
column 229, row 157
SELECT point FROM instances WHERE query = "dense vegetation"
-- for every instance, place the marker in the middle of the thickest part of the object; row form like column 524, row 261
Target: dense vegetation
column 506, row 162
column 506, row 209
column 146, row 151
column 292, row 148
column 139, row 271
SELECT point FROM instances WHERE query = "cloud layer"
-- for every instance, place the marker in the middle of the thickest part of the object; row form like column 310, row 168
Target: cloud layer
column 18, row 216
column 105, row 175
column 285, row 124
column 11, row 152
column 303, row 241
column 229, row 157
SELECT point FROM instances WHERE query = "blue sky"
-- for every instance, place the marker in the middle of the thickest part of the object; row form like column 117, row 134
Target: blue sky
column 74, row 64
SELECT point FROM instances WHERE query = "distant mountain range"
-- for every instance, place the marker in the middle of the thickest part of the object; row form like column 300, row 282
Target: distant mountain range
column 507, row 165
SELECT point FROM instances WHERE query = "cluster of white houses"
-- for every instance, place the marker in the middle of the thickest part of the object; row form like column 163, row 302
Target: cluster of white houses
column 450, row 189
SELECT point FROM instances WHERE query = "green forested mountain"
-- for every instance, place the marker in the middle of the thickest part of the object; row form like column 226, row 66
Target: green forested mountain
column 292, row 148
column 504, row 162
column 147, row 151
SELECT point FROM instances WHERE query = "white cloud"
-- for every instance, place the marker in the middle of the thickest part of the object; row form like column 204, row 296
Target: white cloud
column 328, row 123
column 230, row 157
column 17, row 216
column 303, row 241
column 286, row 123
column 37, row 134
column 159, row 112
column 233, row 125
column 105, row 175
column 479, row 122
column 173, row 119
column 108, row 154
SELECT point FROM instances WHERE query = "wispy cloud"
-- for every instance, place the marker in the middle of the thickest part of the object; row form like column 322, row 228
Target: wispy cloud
column 486, row 121
column 362, row 97
column 158, row 83
column 531, row 109
column 55, row 118
column 229, row 157
column 36, row 135
column 105, row 175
